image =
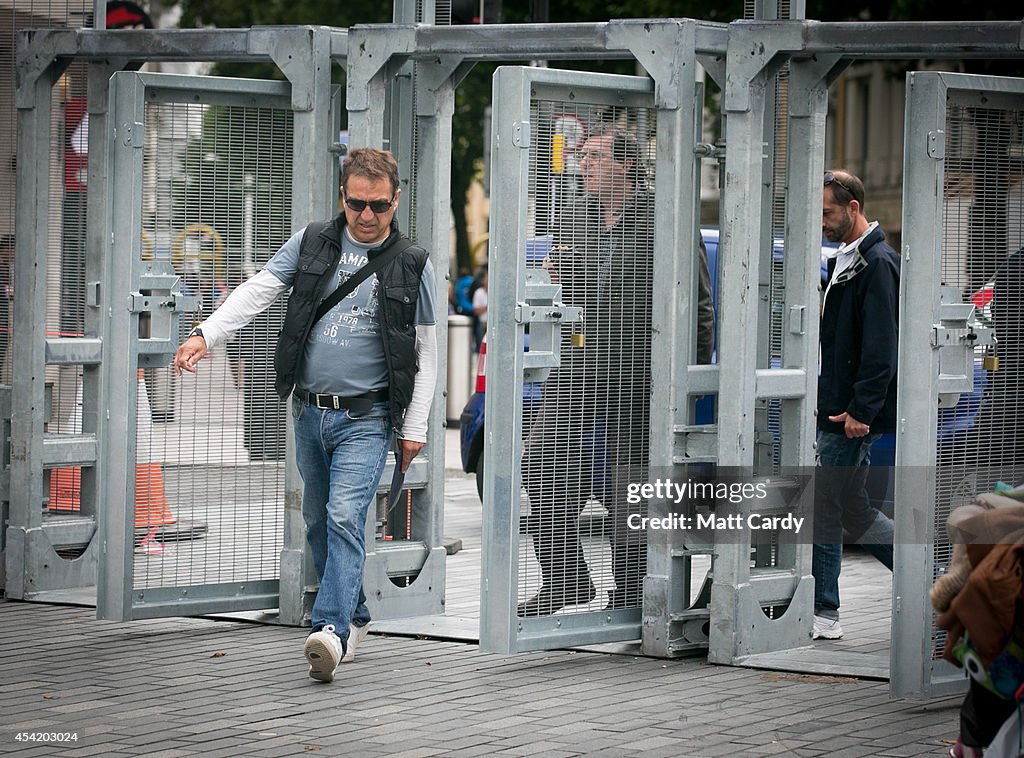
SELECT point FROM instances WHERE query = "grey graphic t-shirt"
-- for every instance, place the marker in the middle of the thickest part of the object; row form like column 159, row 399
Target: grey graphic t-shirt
column 344, row 353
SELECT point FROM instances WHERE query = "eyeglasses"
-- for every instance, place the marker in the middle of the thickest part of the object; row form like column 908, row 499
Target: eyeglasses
column 595, row 155
column 377, row 206
column 830, row 178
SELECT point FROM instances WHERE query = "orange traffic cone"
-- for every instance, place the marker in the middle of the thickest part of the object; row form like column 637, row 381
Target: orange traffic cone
column 66, row 489
column 151, row 508
column 66, row 483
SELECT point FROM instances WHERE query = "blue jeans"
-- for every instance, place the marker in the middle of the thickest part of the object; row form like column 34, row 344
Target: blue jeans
column 341, row 456
column 841, row 502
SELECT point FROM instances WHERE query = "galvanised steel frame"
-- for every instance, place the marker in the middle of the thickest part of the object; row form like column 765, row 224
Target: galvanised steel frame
column 742, row 58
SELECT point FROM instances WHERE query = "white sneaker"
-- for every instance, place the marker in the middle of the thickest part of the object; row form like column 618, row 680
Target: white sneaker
column 356, row 635
column 826, row 629
column 323, row 651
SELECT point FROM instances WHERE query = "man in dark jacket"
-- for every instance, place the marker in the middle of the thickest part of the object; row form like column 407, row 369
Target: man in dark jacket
column 590, row 435
column 856, row 389
column 356, row 372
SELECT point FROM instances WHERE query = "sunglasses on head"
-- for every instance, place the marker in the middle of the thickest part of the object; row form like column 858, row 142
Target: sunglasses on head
column 377, row 206
column 830, row 178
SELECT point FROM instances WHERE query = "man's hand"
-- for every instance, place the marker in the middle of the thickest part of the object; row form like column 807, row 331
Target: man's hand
column 189, row 354
column 851, row 426
column 410, row 450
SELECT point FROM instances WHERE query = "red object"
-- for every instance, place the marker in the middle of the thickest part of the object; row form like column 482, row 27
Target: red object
column 983, row 297
column 481, row 374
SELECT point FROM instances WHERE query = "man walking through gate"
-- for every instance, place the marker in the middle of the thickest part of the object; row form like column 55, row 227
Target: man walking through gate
column 359, row 364
column 856, row 389
column 591, row 431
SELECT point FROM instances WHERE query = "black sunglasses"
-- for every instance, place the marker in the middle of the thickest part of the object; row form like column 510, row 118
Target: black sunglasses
column 830, row 178
column 377, row 206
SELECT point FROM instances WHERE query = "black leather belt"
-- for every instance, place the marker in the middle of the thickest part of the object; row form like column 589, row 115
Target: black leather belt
column 360, row 403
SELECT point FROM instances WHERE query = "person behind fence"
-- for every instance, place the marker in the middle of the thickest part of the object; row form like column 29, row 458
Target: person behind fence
column 998, row 438
column 357, row 354
column 480, row 307
column 459, row 294
column 856, row 389
column 591, row 430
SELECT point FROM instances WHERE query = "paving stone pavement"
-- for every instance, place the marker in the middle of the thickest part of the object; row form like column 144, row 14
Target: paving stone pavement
column 190, row 686
column 230, row 687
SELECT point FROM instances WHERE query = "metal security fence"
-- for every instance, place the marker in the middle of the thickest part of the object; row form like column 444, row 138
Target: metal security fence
column 574, row 306
column 962, row 288
column 69, row 527
column 216, row 205
column 158, row 253
column 586, row 426
column 205, row 176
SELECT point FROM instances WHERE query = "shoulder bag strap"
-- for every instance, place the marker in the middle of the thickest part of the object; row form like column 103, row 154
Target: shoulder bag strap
column 371, row 267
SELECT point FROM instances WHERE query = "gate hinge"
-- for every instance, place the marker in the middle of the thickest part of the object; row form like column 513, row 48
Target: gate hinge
column 521, row 134
column 937, row 144
column 132, row 134
column 715, row 151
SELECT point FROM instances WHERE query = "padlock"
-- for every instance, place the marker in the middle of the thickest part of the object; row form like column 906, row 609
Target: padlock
column 577, row 339
column 990, row 363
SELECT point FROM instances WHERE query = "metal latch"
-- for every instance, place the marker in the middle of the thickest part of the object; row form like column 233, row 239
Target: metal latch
column 159, row 301
column 956, row 337
column 544, row 311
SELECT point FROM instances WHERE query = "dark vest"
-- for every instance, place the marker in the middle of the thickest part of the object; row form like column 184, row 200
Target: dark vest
column 399, row 293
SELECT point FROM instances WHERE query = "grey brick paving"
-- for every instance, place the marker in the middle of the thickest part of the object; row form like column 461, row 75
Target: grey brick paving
column 153, row 688
column 204, row 687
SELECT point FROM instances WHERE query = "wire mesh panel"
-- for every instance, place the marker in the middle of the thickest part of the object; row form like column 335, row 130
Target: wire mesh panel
column 592, row 169
column 975, row 125
column 216, row 206
column 980, row 445
column 66, row 243
column 67, row 526
column 216, row 178
column 584, row 261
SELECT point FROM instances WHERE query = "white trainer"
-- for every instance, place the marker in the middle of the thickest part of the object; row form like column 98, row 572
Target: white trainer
column 323, row 652
column 356, row 635
column 826, row 629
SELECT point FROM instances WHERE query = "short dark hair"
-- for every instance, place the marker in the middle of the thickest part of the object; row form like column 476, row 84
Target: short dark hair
column 845, row 186
column 372, row 163
column 624, row 148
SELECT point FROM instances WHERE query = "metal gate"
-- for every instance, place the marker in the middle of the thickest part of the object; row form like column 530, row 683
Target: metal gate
column 963, row 222
column 192, row 512
column 572, row 299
